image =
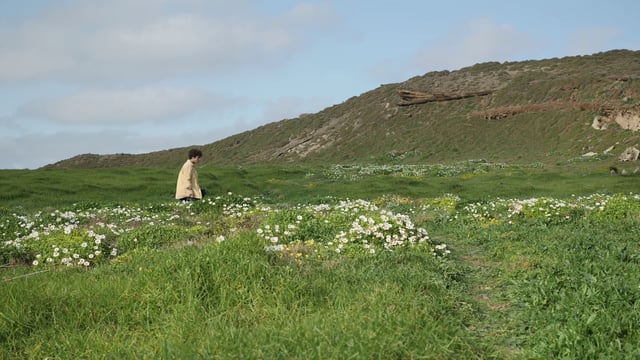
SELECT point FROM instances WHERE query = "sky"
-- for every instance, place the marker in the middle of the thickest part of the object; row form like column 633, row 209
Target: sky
column 137, row 76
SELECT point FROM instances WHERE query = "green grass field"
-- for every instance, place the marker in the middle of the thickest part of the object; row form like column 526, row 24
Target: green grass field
column 462, row 261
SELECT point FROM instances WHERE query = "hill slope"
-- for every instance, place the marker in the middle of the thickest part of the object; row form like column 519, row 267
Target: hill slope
column 530, row 111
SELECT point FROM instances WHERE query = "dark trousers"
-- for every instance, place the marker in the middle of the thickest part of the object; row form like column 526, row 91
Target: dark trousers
column 188, row 198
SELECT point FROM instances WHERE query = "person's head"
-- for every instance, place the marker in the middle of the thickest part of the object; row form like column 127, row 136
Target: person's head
column 195, row 155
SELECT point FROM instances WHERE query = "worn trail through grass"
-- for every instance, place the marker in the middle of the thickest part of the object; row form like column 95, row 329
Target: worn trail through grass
column 488, row 292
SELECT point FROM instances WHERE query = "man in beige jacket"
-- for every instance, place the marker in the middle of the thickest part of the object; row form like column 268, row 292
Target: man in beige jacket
column 187, row 187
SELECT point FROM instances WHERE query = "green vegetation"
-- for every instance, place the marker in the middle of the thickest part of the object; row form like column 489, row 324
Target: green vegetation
column 27, row 190
column 459, row 261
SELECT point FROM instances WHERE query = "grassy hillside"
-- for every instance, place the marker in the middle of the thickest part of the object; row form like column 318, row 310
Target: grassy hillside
column 538, row 110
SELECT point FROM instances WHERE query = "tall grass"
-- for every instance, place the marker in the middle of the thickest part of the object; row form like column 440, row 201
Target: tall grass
column 233, row 300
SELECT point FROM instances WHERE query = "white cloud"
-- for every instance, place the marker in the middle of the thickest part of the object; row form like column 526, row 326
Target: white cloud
column 19, row 63
column 143, row 39
column 478, row 41
column 126, row 106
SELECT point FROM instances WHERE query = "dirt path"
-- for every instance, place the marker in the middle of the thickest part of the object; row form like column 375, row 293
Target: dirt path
column 497, row 316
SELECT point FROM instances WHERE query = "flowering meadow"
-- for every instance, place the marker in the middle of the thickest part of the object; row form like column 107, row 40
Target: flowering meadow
column 85, row 236
column 596, row 207
column 469, row 167
column 391, row 276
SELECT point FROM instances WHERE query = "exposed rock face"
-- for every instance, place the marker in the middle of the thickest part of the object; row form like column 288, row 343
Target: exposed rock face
column 630, row 154
column 600, row 122
column 626, row 119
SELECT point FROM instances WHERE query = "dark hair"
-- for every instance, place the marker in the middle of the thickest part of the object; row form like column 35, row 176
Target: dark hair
column 195, row 153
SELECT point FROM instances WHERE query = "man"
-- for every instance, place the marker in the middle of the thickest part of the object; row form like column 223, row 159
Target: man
column 187, row 187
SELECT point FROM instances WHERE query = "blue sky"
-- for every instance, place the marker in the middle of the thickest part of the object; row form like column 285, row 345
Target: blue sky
column 135, row 76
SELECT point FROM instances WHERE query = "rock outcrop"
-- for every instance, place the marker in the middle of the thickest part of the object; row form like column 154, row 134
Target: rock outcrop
column 630, row 154
column 626, row 119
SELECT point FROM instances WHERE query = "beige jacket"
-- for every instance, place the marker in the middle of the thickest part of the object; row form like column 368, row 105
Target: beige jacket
column 187, row 185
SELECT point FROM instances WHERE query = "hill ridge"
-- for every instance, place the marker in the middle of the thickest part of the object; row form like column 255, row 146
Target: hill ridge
column 545, row 112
